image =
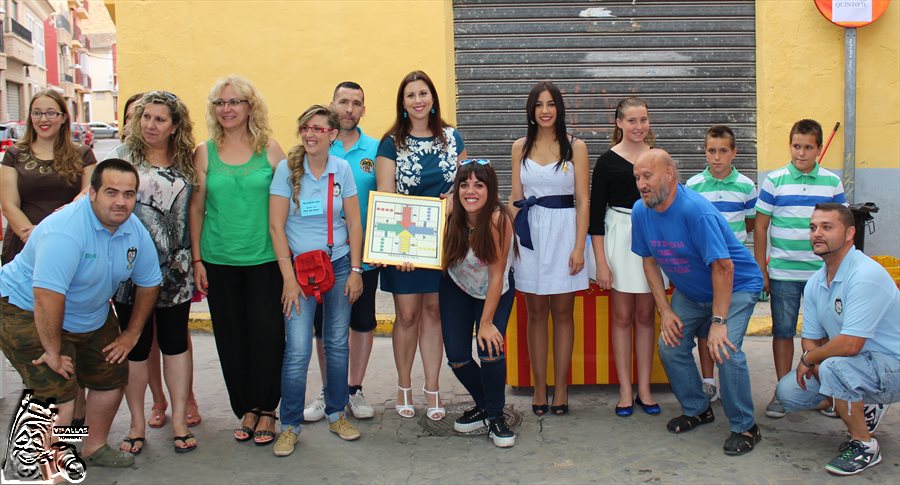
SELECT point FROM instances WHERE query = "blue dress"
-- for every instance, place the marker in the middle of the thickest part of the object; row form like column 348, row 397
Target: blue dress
column 425, row 168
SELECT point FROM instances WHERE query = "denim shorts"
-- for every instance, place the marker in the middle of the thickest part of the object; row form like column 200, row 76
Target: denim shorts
column 785, row 304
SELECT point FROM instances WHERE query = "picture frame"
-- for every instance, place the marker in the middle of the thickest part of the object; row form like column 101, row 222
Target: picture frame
column 405, row 229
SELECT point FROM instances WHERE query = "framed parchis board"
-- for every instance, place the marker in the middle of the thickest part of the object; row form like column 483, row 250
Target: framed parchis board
column 404, row 228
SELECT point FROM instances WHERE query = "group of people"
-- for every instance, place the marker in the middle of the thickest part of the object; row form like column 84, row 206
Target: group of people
column 228, row 217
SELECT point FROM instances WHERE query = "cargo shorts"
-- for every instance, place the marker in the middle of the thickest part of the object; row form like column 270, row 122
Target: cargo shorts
column 21, row 344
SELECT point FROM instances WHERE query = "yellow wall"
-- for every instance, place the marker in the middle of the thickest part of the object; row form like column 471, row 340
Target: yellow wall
column 800, row 74
column 295, row 52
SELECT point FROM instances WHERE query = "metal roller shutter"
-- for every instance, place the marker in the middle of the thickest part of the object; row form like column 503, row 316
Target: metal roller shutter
column 694, row 62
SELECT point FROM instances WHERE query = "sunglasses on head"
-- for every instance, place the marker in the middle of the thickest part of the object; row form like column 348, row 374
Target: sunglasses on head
column 479, row 161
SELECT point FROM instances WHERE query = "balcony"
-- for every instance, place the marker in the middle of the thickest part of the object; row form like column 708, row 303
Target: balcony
column 17, row 42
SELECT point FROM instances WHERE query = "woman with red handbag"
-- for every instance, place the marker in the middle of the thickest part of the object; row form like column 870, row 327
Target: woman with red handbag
column 320, row 258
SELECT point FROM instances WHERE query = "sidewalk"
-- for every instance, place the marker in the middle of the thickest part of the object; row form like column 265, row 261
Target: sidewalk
column 590, row 445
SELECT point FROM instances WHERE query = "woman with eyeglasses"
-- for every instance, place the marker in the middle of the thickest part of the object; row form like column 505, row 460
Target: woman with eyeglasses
column 234, row 263
column 160, row 144
column 42, row 172
column 417, row 156
column 477, row 290
column 308, row 188
column 550, row 197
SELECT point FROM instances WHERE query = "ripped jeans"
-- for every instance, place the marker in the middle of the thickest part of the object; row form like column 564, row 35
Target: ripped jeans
column 460, row 314
column 871, row 377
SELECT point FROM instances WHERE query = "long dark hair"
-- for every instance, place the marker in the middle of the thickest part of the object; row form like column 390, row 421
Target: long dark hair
column 562, row 135
column 457, row 239
column 630, row 102
column 402, row 125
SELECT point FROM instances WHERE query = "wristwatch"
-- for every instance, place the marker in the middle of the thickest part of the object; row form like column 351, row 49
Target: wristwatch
column 356, row 269
column 718, row 320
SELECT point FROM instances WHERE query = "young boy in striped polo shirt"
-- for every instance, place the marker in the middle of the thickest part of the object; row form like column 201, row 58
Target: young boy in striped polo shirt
column 734, row 195
column 787, row 198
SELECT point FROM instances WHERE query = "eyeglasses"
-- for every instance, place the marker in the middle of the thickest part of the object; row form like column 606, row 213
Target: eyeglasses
column 315, row 129
column 231, row 103
column 51, row 115
column 165, row 94
column 479, row 161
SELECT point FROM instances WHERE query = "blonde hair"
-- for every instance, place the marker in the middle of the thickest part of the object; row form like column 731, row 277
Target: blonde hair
column 297, row 153
column 182, row 141
column 67, row 155
column 258, row 121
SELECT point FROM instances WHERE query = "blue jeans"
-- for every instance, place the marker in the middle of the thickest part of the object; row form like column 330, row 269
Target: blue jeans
column 734, row 375
column 871, row 377
column 785, row 307
column 298, row 350
column 460, row 313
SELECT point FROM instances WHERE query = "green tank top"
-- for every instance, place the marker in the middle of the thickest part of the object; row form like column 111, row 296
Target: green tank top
column 236, row 226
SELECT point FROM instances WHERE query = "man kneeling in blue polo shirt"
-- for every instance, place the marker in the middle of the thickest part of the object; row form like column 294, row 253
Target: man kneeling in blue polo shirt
column 851, row 339
column 55, row 325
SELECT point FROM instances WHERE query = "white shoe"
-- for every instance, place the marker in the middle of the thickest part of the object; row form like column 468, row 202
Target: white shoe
column 360, row 407
column 316, row 410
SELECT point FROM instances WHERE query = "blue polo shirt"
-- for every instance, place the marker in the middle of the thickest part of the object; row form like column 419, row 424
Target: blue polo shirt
column 307, row 226
column 686, row 239
column 71, row 253
column 862, row 301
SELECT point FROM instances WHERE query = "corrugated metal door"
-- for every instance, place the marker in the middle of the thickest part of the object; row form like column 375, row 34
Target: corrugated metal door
column 12, row 101
column 693, row 61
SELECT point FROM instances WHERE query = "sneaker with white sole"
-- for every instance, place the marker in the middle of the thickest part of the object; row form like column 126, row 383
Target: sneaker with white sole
column 344, row 429
column 473, row 419
column 359, row 406
column 284, row 446
column 711, row 392
column 316, row 410
column 775, row 409
column 501, row 434
column 854, row 458
column 874, row 413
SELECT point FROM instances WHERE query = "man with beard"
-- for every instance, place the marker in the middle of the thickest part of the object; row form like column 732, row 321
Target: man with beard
column 850, row 340
column 56, row 327
column 717, row 284
column 359, row 149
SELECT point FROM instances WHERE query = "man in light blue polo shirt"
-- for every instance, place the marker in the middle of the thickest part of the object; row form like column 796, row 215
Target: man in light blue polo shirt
column 55, row 325
column 359, row 149
column 850, row 340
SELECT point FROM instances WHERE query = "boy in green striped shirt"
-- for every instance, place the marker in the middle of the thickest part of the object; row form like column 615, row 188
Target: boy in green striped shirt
column 734, row 195
column 787, row 198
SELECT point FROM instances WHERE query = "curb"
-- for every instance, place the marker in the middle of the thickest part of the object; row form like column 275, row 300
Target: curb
column 760, row 326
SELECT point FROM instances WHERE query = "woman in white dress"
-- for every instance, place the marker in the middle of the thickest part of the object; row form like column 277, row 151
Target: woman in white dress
column 549, row 196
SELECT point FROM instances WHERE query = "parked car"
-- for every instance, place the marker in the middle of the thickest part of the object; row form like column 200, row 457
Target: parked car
column 81, row 134
column 103, row 130
column 9, row 133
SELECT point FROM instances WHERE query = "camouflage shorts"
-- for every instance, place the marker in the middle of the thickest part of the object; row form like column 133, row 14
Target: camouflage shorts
column 21, row 344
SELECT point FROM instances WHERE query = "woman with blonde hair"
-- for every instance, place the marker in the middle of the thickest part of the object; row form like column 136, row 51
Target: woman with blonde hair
column 232, row 256
column 308, row 188
column 160, row 144
column 43, row 171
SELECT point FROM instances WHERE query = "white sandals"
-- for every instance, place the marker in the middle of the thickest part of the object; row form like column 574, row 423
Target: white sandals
column 436, row 413
column 406, row 410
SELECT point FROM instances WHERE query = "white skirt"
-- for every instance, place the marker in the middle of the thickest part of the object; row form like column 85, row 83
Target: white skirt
column 627, row 268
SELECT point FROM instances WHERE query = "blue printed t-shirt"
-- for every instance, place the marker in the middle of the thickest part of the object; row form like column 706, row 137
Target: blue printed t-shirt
column 425, row 167
column 686, row 239
column 71, row 253
column 862, row 301
column 307, row 226
column 361, row 157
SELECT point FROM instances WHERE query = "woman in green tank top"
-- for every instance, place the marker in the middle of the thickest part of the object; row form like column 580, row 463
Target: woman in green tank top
column 233, row 260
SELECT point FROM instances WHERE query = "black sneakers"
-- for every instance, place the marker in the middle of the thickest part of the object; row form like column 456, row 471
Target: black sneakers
column 473, row 419
column 854, row 458
column 501, row 434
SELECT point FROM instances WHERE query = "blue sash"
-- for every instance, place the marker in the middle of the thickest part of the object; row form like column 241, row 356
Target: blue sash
column 523, row 230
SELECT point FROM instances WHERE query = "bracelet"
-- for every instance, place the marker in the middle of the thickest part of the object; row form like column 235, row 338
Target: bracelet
column 195, row 261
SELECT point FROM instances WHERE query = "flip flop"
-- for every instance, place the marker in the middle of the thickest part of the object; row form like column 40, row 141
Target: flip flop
column 131, row 441
column 184, row 439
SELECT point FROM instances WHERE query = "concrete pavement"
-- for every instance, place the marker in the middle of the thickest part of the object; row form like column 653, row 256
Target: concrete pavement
column 589, row 445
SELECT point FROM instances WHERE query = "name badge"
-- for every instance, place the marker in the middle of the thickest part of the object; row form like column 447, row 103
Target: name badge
column 311, row 208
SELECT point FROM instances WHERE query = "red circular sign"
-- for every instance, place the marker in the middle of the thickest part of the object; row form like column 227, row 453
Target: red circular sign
column 852, row 13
